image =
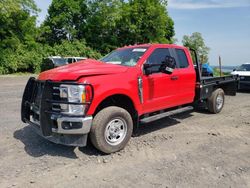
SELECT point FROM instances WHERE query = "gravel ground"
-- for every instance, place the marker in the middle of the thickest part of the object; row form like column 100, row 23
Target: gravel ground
column 194, row 149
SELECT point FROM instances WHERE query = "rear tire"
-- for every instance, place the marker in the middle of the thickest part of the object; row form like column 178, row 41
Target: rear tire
column 111, row 129
column 216, row 101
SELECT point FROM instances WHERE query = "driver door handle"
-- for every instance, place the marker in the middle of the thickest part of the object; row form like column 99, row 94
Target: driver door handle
column 174, row 77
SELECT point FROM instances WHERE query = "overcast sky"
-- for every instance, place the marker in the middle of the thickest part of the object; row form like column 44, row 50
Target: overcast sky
column 224, row 24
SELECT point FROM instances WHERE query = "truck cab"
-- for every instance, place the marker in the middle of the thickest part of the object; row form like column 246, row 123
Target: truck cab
column 243, row 72
column 107, row 99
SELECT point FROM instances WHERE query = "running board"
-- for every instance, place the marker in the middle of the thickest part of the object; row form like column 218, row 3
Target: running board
column 165, row 114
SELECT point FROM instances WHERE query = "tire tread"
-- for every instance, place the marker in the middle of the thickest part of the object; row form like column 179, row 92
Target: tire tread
column 212, row 101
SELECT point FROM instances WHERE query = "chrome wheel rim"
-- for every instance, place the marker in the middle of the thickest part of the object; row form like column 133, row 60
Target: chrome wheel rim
column 219, row 101
column 115, row 131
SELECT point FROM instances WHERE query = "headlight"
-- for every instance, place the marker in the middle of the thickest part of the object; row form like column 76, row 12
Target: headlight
column 74, row 94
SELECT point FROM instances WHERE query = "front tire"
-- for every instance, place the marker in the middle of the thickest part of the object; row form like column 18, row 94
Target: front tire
column 216, row 101
column 111, row 129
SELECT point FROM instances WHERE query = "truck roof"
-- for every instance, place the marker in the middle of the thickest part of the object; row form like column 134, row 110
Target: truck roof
column 153, row 45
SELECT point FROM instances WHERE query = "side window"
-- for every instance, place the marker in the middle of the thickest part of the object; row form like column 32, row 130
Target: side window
column 157, row 57
column 70, row 60
column 181, row 58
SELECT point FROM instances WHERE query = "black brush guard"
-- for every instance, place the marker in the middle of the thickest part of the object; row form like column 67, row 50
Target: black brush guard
column 38, row 96
column 29, row 97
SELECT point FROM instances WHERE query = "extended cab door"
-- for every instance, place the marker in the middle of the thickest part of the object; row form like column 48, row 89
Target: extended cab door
column 160, row 90
column 186, row 75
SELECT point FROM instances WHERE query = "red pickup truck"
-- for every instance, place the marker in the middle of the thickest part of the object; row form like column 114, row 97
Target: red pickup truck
column 108, row 98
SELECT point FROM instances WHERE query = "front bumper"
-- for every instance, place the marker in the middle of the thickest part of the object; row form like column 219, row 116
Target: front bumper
column 73, row 137
column 38, row 110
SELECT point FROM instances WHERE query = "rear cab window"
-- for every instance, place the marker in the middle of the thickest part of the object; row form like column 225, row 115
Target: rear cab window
column 180, row 58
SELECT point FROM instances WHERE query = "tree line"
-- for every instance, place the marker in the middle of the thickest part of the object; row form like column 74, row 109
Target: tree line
column 88, row 28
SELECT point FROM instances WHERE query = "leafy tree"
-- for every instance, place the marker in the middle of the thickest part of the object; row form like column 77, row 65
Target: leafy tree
column 27, row 58
column 19, row 49
column 196, row 42
column 146, row 21
column 101, row 27
column 64, row 21
column 77, row 28
column 74, row 48
column 117, row 23
column 18, row 29
column 107, row 24
column 17, row 25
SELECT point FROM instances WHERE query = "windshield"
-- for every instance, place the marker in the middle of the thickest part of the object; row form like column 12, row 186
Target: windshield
column 59, row 61
column 244, row 67
column 126, row 57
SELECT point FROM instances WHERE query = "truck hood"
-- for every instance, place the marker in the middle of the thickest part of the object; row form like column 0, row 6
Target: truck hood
column 241, row 73
column 88, row 67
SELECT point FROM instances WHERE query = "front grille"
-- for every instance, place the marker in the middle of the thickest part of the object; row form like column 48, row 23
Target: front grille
column 36, row 100
column 37, row 93
column 37, row 97
column 56, row 97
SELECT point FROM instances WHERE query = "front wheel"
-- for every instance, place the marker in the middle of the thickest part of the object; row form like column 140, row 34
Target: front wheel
column 111, row 129
column 216, row 101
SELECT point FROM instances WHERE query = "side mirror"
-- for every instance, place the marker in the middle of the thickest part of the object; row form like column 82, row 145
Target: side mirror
column 146, row 68
column 168, row 65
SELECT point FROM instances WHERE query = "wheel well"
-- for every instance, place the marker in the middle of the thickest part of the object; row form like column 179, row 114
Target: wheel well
column 122, row 101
